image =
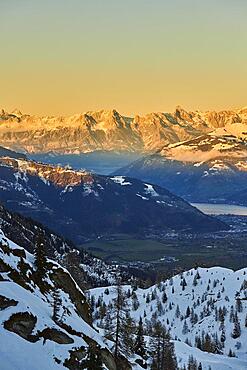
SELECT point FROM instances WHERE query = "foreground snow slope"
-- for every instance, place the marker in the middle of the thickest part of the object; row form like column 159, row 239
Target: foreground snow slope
column 29, row 337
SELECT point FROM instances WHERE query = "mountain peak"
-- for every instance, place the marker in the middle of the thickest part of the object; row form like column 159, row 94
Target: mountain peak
column 108, row 130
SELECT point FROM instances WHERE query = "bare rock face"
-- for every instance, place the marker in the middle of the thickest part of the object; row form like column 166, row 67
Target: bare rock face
column 55, row 335
column 64, row 281
column 109, row 130
column 22, row 323
column 57, row 175
column 6, row 302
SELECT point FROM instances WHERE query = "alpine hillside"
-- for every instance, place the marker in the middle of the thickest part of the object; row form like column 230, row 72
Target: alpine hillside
column 80, row 205
column 209, row 168
column 204, row 310
column 45, row 318
column 86, row 269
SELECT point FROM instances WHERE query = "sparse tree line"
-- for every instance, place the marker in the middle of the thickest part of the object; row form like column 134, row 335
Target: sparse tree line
column 150, row 339
column 158, row 305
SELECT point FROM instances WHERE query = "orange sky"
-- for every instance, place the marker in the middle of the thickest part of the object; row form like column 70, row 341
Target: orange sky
column 63, row 57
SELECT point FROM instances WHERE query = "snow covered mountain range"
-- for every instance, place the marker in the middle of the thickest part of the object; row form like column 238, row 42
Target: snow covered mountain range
column 209, row 168
column 111, row 131
column 78, row 204
column 200, row 156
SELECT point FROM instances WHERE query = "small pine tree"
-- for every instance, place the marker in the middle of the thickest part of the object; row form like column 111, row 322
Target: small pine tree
column 139, row 347
column 93, row 360
column 164, row 297
column 239, row 306
column 168, row 358
column 192, row 363
column 183, row 283
column 135, row 302
column 236, row 329
column 185, row 328
column 56, row 304
column 177, row 313
column 187, row 312
column 126, row 342
column 108, row 325
column 40, row 259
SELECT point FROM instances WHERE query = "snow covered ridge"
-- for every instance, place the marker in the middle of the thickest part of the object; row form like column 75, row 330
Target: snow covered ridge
column 69, row 202
column 204, row 310
column 109, row 130
column 206, row 147
column 210, row 168
column 60, row 176
column 45, row 322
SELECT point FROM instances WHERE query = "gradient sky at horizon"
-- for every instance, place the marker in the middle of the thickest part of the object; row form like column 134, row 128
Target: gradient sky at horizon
column 137, row 56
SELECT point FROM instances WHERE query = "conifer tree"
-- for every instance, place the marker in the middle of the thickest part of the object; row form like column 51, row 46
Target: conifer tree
column 155, row 346
column 40, row 259
column 187, row 312
column 127, row 335
column 93, row 360
column 164, row 297
column 183, row 283
column 135, row 302
column 163, row 355
column 239, row 306
column 177, row 312
column 185, row 328
column 236, row 329
column 140, row 348
column 119, row 326
column 168, row 358
column 192, row 363
column 109, row 326
column 56, row 304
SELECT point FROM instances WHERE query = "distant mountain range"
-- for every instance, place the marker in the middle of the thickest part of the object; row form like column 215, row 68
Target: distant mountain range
column 209, row 168
column 81, row 205
column 111, row 131
column 200, row 156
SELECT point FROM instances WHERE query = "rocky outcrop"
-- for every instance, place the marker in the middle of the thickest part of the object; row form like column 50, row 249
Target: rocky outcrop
column 6, row 302
column 22, row 323
column 55, row 335
column 64, row 281
column 59, row 176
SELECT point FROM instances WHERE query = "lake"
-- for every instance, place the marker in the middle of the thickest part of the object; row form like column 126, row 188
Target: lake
column 221, row 209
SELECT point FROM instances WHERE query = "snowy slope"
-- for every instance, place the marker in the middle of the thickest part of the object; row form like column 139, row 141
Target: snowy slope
column 29, row 338
column 206, row 292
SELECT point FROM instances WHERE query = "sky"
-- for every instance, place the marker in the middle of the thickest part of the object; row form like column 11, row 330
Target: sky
column 136, row 56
